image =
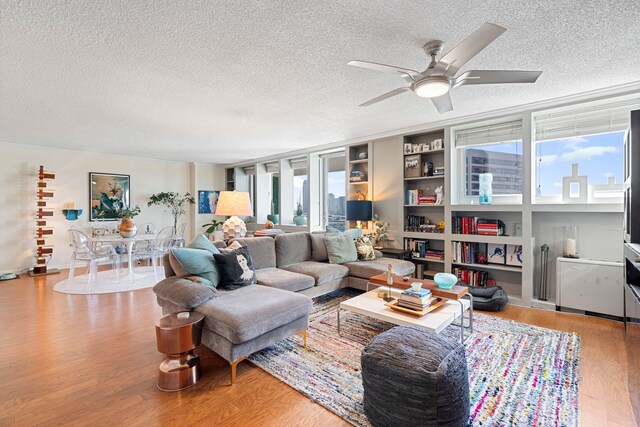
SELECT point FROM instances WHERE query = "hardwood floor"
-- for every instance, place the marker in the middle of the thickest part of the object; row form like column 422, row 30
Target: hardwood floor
column 91, row 360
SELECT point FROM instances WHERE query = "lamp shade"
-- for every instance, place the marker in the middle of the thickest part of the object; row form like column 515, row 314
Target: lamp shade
column 232, row 203
column 359, row 210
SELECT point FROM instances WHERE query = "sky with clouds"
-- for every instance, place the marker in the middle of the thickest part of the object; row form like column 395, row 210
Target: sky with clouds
column 597, row 156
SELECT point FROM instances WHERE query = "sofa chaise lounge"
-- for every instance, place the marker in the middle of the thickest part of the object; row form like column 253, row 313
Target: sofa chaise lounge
column 289, row 270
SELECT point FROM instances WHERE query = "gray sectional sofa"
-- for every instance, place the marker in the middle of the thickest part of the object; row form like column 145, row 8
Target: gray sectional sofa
column 289, row 270
column 299, row 262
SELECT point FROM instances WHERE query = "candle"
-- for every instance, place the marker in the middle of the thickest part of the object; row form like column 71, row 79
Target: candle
column 71, row 205
column 570, row 247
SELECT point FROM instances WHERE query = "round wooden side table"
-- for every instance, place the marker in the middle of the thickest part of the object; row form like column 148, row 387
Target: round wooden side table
column 177, row 335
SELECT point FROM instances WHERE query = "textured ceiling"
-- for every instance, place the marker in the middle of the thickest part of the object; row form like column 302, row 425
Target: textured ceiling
column 223, row 81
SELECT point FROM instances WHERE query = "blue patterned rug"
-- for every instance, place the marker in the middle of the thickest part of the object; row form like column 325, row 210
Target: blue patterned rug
column 519, row 375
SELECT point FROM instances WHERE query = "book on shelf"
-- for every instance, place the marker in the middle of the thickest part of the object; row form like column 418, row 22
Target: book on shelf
column 438, row 171
column 473, row 277
column 490, row 227
column 417, row 198
column 417, row 247
column 428, row 274
column 419, row 224
column 469, row 253
column 475, row 225
column 434, row 254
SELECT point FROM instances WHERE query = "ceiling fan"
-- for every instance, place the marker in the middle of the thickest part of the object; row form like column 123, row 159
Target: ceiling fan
column 439, row 77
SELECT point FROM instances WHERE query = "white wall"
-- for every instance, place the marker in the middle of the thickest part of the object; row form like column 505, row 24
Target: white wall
column 205, row 176
column 18, row 177
column 388, row 191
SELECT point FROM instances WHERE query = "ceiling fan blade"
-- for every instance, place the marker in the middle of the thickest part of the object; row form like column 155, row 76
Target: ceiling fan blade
column 385, row 96
column 467, row 49
column 387, row 69
column 443, row 103
column 487, row 77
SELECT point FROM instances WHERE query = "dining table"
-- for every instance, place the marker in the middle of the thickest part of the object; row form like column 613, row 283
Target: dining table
column 128, row 243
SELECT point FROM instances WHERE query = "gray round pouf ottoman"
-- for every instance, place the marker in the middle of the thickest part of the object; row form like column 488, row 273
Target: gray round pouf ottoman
column 412, row 377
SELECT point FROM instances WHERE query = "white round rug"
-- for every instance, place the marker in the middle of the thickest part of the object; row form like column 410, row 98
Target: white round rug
column 110, row 281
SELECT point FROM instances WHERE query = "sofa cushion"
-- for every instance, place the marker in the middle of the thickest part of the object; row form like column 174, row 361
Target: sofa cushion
column 364, row 249
column 318, row 248
column 283, row 279
column 201, row 242
column 198, row 262
column 366, row 269
column 236, row 268
column 321, row 272
column 184, row 292
column 292, row 248
column 340, row 248
column 262, row 251
column 251, row 311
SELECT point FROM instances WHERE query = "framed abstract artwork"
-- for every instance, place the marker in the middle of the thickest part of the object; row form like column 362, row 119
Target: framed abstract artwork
column 108, row 193
column 207, row 201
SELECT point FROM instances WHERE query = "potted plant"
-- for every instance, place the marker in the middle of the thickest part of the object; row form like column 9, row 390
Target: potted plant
column 380, row 231
column 175, row 202
column 300, row 218
column 127, row 227
column 212, row 230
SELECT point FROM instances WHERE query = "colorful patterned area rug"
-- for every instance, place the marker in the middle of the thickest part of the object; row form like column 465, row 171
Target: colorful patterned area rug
column 519, row 375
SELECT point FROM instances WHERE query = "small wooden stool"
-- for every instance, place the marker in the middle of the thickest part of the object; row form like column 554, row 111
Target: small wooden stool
column 177, row 335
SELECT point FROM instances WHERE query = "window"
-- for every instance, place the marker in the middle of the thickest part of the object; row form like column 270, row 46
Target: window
column 590, row 136
column 495, row 149
column 300, row 193
column 250, row 186
column 334, row 194
column 273, row 176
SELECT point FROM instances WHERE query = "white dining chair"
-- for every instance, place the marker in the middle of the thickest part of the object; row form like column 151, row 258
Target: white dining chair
column 156, row 248
column 83, row 250
column 179, row 235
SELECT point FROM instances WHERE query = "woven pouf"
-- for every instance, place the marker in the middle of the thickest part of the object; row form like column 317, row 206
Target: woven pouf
column 412, row 377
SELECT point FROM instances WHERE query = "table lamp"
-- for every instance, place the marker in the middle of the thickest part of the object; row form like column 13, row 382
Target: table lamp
column 359, row 210
column 234, row 204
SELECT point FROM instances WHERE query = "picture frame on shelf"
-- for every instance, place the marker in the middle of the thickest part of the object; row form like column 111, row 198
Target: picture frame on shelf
column 108, row 194
column 408, row 148
column 514, row 255
column 412, row 166
column 496, row 253
column 436, row 144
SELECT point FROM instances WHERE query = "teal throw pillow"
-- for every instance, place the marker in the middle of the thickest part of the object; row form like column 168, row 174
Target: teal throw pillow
column 354, row 233
column 340, row 249
column 331, row 229
column 195, row 262
column 201, row 242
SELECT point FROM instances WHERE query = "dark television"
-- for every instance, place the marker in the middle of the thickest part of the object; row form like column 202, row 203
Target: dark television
column 632, row 180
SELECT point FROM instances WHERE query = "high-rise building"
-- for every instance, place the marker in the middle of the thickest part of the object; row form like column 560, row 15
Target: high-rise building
column 507, row 170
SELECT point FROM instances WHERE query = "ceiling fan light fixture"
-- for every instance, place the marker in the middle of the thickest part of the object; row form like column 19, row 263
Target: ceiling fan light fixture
column 432, row 87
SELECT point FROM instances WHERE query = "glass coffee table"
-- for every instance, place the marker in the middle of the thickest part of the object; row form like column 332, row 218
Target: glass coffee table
column 458, row 300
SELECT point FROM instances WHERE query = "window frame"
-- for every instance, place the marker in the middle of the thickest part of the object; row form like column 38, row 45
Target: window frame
column 458, row 187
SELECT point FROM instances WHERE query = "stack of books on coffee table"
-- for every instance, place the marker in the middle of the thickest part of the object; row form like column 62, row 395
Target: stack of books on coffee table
column 416, row 300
